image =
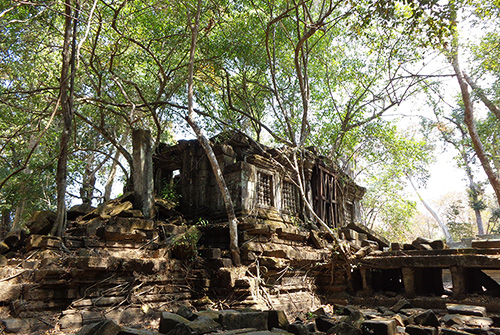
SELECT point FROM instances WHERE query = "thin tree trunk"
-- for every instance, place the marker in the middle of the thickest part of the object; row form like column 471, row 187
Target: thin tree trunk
column 114, row 167
column 442, row 225
column 5, row 222
column 491, row 106
column 18, row 215
column 473, row 187
column 66, row 93
column 190, row 118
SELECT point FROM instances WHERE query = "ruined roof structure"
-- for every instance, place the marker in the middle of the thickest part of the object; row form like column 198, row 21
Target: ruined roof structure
column 260, row 179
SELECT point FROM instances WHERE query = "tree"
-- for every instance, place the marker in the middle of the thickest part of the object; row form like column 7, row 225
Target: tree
column 453, row 56
column 66, row 95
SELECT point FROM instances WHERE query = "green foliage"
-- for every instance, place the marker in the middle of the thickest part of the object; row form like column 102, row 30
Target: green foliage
column 184, row 245
column 169, row 192
column 459, row 226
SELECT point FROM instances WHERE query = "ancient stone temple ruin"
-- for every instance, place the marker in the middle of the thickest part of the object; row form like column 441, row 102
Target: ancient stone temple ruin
column 262, row 182
column 119, row 262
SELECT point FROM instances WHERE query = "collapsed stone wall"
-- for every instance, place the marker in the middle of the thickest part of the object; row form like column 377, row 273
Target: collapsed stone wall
column 114, row 264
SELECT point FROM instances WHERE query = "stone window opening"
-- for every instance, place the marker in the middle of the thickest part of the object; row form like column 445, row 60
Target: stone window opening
column 290, row 197
column 264, row 189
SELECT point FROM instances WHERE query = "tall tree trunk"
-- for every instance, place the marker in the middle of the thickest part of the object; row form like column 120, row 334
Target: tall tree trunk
column 469, row 109
column 66, row 94
column 442, row 225
column 190, row 118
column 471, row 127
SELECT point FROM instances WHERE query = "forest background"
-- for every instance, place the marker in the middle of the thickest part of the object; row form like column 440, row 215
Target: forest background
column 380, row 87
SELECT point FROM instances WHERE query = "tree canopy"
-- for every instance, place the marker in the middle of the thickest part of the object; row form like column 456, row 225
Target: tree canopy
column 295, row 73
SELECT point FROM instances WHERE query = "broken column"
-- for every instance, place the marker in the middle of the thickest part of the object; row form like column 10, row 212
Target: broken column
column 143, row 171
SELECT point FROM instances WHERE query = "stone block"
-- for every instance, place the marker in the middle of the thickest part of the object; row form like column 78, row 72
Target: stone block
column 348, row 234
column 120, row 234
column 89, row 318
column 379, row 327
column 298, row 328
column 17, row 326
column 273, row 262
column 427, row 318
column 469, row 320
column 71, row 321
column 210, row 253
column 344, row 328
column 486, row 244
column 258, row 320
column 186, row 313
column 323, row 323
column 402, row 303
column 105, row 327
column 407, row 246
column 242, row 283
column 133, row 331
column 373, row 244
column 42, row 242
column 10, row 291
column 438, row 244
column 41, row 222
column 466, row 309
column 449, row 331
column 396, row 246
column 277, row 319
column 204, row 324
column 419, row 330
column 317, row 241
column 168, row 321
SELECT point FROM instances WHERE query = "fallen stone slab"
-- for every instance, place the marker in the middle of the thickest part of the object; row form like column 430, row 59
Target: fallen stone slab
column 203, row 325
column 448, row 331
column 402, row 303
column 168, row 321
column 71, row 321
column 486, row 244
column 277, row 319
column 475, row 330
column 469, row 320
column 344, row 328
column 238, row 320
column 186, row 313
column 427, row 318
column 133, row 331
column 466, row 309
column 106, row 327
column 14, row 325
column 43, row 242
column 324, row 323
column 298, row 328
column 419, row 330
column 438, row 245
column 379, row 327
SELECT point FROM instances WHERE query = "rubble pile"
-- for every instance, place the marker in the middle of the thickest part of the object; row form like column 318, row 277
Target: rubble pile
column 114, row 264
column 340, row 320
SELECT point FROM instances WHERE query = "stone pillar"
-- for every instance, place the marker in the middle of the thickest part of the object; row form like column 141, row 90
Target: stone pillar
column 143, row 171
column 409, row 281
column 458, row 281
